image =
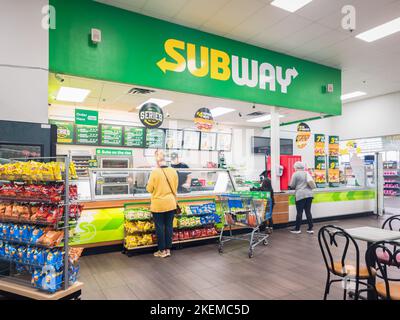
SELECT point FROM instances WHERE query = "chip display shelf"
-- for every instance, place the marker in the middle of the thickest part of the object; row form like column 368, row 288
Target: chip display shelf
column 391, row 174
column 38, row 210
column 199, row 221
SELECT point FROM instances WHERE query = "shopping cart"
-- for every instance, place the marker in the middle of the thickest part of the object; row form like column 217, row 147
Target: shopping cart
column 245, row 211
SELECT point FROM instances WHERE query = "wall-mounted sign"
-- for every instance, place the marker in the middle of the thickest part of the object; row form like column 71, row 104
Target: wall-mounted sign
column 151, row 115
column 224, row 141
column 182, row 59
column 191, row 140
column 208, row 141
column 173, row 139
column 65, row 131
column 88, row 135
column 134, row 137
column 203, row 119
column 303, row 135
column 320, row 160
column 86, row 117
column 111, row 135
column 155, row 138
column 333, row 171
column 113, row 152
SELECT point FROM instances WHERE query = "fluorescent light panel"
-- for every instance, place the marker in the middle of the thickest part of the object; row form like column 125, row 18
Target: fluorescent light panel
column 381, row 31
column 160, row 102
column 219, row 111
column 263, row 118
column 352, row 95
column 72, row 94
column 290, row 5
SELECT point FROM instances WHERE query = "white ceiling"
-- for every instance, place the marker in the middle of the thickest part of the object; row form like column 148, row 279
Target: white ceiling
column 106, row 95
column 313, row 33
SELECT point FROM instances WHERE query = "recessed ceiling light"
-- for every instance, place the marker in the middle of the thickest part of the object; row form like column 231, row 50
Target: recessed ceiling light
column 352, row 95
column 219, row 111
column 160, row 102
column 263, row 118
column 290, row 5
column 381, row 31
column 72, row 94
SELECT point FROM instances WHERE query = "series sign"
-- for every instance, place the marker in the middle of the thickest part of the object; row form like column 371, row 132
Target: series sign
column 203, row 119
column 320, row 160
column 151, row 115
column 333, row 171
column 303, row 135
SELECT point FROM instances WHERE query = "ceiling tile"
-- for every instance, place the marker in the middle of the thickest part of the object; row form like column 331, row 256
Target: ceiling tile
column 230, row 15
column 263, row 18
column 281, row 30
column 163, row 8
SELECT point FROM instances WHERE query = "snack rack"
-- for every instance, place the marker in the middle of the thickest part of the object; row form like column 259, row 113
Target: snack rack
column 52, row 266
column 245, row 210
column 191, row 225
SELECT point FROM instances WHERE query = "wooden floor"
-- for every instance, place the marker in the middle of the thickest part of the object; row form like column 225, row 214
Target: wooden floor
column 290, row 267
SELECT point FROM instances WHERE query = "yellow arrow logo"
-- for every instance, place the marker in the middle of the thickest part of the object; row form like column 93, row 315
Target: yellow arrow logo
column 171, row 47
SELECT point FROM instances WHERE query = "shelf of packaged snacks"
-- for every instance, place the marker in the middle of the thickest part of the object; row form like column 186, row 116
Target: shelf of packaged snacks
column 28, row 264
column 7, row 288
column 29, row 244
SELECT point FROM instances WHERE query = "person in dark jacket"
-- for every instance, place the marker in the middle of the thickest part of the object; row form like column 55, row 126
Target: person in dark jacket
column 266, row 186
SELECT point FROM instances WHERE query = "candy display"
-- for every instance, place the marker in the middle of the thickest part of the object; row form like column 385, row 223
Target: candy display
column 190, row 222
column 35, row 171
column 49, row 193
column 138, row 214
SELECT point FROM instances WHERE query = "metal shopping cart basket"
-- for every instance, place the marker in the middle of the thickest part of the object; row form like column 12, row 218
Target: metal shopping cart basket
column 247, row 210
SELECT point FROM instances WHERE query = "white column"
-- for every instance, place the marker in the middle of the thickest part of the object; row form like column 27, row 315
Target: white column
column 275, row 149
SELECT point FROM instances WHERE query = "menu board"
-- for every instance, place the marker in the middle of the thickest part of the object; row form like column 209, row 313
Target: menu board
column 191, row 140
column 65, row 131
column 173, row 139
column 134, row 137
column 224, row 141
column 87, row 134
column 333, row 171
column 111, row 135
column 320, row 160
column 208, row 141
column 155, row 138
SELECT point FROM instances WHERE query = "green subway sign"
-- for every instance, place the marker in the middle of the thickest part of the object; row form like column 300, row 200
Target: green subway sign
column 86, row 117
column 145, row 51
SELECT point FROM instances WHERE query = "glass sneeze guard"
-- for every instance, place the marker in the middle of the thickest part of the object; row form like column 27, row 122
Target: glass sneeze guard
column 110, row 184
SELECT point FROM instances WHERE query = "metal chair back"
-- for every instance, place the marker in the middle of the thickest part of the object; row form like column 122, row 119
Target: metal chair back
column 332, row 238
column 383, row 259
column 392, row 223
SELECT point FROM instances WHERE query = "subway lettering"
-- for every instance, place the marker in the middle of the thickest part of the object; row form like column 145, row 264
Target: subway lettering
column 218, row 65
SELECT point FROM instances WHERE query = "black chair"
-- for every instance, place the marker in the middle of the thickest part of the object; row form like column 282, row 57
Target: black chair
column 392, row 223
column 383, row 259
column 337, row 248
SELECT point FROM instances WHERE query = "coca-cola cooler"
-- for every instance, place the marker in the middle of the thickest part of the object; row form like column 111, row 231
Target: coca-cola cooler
column 287, row 162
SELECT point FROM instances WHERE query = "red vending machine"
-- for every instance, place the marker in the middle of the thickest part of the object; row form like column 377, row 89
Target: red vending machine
column 287, row 163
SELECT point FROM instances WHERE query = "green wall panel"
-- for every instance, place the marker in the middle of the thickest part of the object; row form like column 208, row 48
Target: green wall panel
column 132, row 51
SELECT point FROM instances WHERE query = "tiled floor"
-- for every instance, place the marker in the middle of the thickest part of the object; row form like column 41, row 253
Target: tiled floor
column 290, row 267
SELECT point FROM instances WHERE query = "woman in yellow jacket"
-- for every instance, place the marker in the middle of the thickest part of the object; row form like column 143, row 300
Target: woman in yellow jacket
column 163, row 186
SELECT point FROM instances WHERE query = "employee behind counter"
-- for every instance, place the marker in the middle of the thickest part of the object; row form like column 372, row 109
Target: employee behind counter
column 185, row 178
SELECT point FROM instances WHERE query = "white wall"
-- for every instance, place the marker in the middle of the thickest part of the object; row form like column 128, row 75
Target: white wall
column 23, row 61
column 375, row 117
